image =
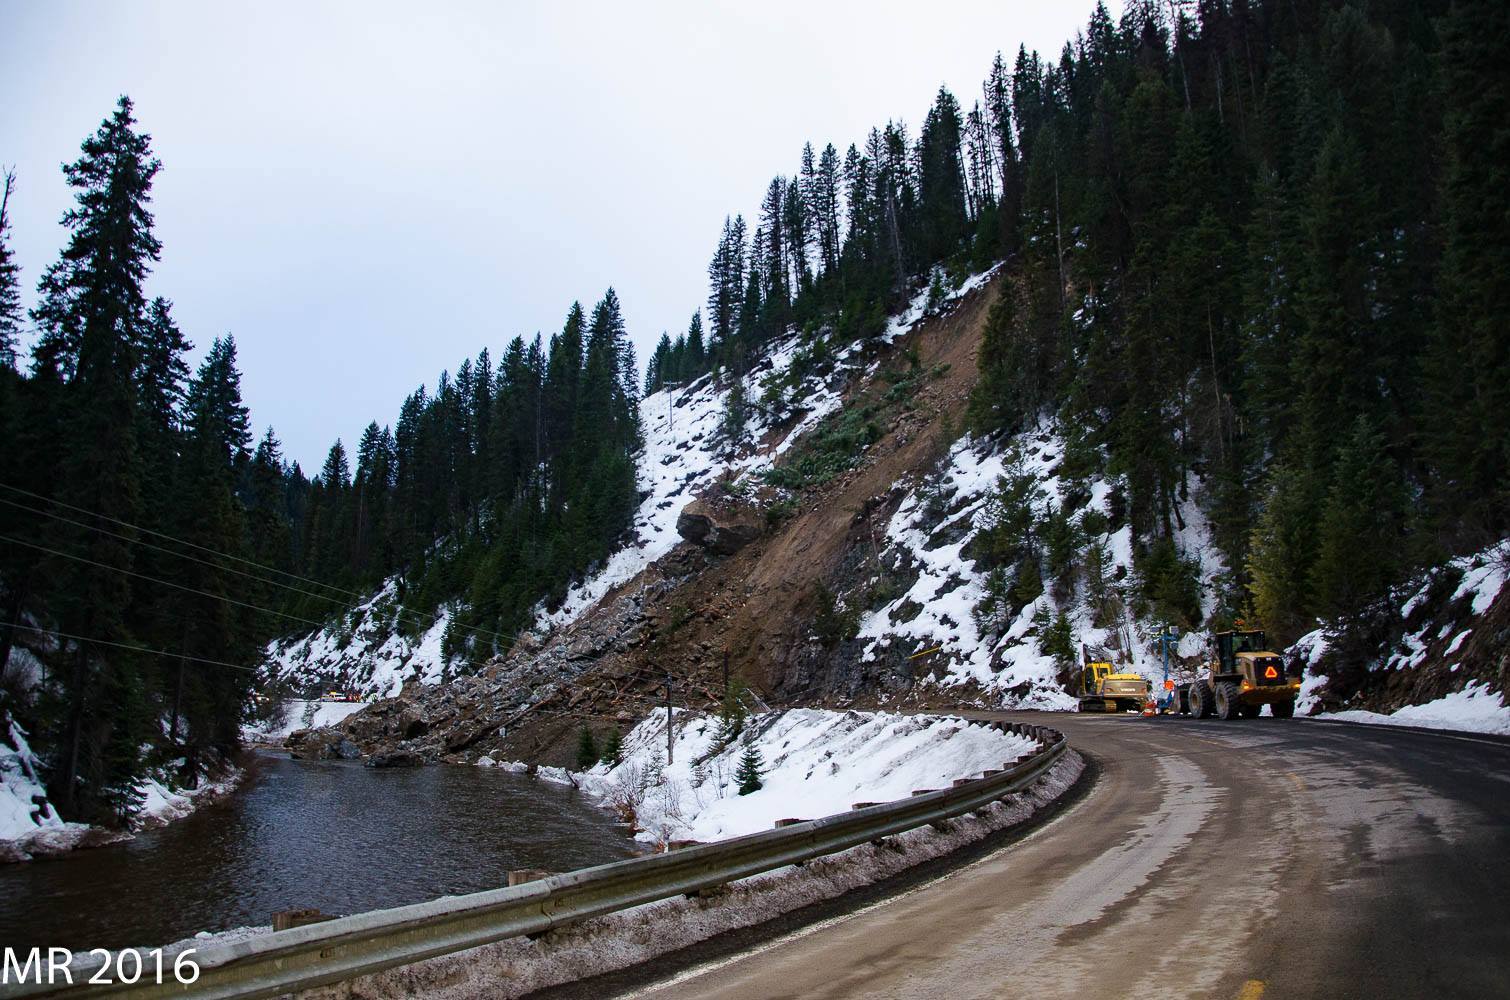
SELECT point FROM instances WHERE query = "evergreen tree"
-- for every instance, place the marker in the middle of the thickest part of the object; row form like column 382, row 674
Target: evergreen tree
column 613, row 748
column 1468, row 364
column 941, row 175
column 1282, row 551
column 731, row 714
column 587, row 748
column 695, row 359
column 1358, row 549
column 10, row 283
column 91, row 313
column 751, row 768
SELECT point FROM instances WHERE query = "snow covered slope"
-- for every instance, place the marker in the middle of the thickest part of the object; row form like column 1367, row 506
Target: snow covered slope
column 30, row 826
column 684, row 453
column 927, row 538
column 1443, row 667
column 815, row 763
column 299, row 714
column 371, row 656
column 23, row 808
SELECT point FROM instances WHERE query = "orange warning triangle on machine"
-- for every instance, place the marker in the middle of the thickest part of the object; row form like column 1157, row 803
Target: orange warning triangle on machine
column 1271, row 673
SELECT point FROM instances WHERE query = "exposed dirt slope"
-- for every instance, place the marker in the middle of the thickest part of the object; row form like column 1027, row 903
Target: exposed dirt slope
column 696, row 613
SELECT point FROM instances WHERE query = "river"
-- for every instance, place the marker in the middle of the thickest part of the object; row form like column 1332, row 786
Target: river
column 332, row 835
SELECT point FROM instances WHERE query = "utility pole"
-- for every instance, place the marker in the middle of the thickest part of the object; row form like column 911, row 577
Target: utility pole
column 669, row 738
column 670, row 424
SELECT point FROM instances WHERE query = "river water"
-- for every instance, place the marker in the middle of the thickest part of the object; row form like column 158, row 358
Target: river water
column 331, row 835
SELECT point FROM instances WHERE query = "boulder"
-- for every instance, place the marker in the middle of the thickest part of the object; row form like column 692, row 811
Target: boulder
column 720, row 527
column 399, row 758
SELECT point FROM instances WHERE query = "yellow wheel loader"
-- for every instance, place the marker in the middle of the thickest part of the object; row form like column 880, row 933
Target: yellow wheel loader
column 1103, row 689
column 1242, row 676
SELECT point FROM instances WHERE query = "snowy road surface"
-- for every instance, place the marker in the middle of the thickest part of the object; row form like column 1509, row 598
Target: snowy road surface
column 1256, row 859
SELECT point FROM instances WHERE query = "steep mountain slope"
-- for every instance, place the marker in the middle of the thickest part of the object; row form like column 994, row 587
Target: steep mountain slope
column 664, row 604
column 835, row 553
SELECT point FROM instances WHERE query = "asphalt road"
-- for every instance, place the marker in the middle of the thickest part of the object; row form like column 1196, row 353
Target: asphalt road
column 1259, row 858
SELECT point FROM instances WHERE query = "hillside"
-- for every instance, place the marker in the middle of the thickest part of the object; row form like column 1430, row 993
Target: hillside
column 825, row 590
column 1201, row 321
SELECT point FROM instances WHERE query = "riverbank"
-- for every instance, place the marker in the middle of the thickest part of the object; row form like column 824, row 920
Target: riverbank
column 30, row 827
column 296, row 714
column 327, row 835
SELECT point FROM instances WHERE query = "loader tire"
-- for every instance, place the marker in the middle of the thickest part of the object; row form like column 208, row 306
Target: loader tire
column 1283, row 709
column 1200, row 700
column 1227, row 705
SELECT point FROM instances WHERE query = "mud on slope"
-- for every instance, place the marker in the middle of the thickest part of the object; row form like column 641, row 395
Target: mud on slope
column 758, row 614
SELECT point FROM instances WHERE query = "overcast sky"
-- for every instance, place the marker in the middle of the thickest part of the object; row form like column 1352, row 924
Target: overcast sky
column 364, row 196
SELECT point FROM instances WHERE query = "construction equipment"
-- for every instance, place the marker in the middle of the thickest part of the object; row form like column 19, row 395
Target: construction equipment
column 1242, row 676
column 1103, row 689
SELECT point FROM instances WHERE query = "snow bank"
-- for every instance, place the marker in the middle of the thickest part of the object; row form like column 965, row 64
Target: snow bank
column 816, row 763
column 29, row 826
column 1480, row 577
column 1475, row 709
column 162, row 805
column 23, row 808
column 298, row 714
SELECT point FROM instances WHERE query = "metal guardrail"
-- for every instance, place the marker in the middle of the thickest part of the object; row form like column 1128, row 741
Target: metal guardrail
column 333, row 951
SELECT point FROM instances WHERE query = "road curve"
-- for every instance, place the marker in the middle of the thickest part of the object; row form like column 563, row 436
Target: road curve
column 1258, row 858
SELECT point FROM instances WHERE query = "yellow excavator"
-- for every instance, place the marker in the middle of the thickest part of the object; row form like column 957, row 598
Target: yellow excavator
column 1103, row 689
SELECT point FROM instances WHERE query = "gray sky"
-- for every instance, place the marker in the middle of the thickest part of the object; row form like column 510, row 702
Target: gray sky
column 365, row 196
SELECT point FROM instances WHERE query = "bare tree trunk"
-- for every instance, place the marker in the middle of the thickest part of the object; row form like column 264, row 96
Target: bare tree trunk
column 1059, row 246
column 1216, row 389
column 75, row 730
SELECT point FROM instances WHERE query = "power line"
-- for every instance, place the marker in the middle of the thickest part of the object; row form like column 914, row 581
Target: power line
column 180, row 555
column 415, row 618
column 164, row 583
column 127, row 645
column 176, row 586
column 180, row 541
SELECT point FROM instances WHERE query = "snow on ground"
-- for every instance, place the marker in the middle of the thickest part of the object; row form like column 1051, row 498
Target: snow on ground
column 29, row 825
column 21, row 789
column 1475, row 709
column 816, row 763
column 949, row 586
column 162, row 805
column 683, row 454
column 917, row 309
column 369, row 657
column 298, row 714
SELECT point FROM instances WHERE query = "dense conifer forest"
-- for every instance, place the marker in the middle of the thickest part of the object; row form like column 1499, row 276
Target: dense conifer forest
column 150, row 550
column 1259, row 246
